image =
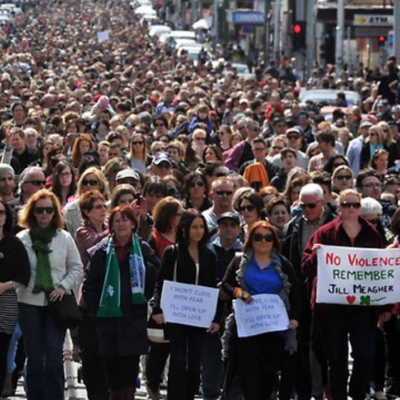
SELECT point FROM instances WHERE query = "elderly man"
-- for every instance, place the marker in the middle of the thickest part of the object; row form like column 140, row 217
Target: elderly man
column 297, row 232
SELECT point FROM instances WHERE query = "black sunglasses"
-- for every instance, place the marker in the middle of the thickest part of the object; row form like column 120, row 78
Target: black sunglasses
column 90, row 182
column 36, row 183
column 343, row 177
column 311, row 206
column 347, row 204
column 259, row 237
column 42, row 210
column 196, row 183
column 246, row 208
column 224, row 192
column 374, row 221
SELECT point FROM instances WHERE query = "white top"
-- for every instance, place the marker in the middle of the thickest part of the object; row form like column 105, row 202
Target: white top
column 66, row 266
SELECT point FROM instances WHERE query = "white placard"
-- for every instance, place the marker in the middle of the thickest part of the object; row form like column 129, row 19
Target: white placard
column 103, row 36
column 355, row 276
column 187, row 304
column 266, row 313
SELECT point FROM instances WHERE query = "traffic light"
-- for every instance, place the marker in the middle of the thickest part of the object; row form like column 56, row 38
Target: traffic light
column 382, row 40
column 299, row 35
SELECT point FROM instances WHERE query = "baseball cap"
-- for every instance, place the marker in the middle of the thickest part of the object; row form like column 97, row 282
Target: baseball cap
column 229, row 215
column 365, row 124
column 294, row 129
column 161, row 157
column 127, row 173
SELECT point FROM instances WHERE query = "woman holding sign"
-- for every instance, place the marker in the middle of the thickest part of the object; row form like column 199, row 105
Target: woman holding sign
column 338, row 322
column 189, row 262
column 261, row 270
column 120, row 278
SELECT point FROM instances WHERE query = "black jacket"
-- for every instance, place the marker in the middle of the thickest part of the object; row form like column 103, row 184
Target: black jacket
column 126, row 335
column 186, row 272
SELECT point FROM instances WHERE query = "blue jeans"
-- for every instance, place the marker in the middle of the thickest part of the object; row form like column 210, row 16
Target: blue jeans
column 44, row 350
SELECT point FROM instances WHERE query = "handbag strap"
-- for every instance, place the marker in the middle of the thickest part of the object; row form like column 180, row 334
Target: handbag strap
column 176, row 263
column 197, row 265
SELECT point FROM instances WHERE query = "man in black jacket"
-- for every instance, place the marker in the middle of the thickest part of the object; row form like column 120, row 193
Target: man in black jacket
column 297, row 232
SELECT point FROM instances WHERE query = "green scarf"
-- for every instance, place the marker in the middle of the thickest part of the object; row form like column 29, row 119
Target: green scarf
column 110, row 300
column 41, row 238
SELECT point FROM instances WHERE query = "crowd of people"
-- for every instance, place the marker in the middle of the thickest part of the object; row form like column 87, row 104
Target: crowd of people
column 124, row 165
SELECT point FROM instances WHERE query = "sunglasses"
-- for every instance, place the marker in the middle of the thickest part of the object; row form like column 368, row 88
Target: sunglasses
column 347, row 204
column 224, row 192
column 36, row 183
column 311, row 206
column 343, row 177
column 44, row 210
column 374, row 221
column 196, row 183
column 220, row 174
column 293, row 137
column 90, row 182
column 246, row 208
column 137, row 143
column 259, row 237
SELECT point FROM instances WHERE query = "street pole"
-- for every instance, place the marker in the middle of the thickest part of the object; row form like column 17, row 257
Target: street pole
column 193, row 13
column 396, row 28
column 339, row 37
column 310, row 37
column 277, row 30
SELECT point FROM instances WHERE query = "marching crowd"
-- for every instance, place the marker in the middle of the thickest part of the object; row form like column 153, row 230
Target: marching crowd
column 124, row 165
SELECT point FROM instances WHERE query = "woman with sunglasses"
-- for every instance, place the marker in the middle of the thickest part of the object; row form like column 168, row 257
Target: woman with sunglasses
column 250, row 207
column 91, row 179
column 189, row 261
column 338, row 322
column 56, row 269
column 196, row 192
column 138, row 156
column 342, row 178
column 14, row 270
column 260, row 270
column 93, row 229
column 374, row 141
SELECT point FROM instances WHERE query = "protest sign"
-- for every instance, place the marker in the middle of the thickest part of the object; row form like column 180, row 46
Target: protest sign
column 189, row 304
column 266, row 313
column 355, row 276
column 103, row 36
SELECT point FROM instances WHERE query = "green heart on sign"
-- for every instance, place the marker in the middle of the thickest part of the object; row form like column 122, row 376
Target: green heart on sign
column 365, row 301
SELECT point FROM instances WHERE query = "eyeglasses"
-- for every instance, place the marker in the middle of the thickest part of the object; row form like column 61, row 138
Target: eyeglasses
column 90, row 182
column 374, row 221
column 224, row 192
column 137, row 143
column 311, row 206
column 36, row 183
column 44, row 210
column 196, row 183
column 277, row 148
column 293, row 137
column 100, row 207
column 343, row 177
column 200, row 139
column 347, row 204
column 373, row 185
column 259, row 237
column 246, row 209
